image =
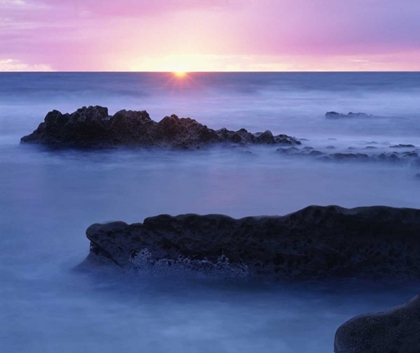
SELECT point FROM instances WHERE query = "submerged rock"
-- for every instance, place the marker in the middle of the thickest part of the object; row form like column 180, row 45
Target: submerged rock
column 394, row 331
column 349, row 157
column 93, row 127
column 288, row 150
column 315, row 242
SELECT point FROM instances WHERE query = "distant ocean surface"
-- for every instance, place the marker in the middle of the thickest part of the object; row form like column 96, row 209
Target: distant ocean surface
column 292, row 103
column 49, row 198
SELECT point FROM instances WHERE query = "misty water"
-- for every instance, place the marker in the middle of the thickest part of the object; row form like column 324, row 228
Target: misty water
column 49, row 198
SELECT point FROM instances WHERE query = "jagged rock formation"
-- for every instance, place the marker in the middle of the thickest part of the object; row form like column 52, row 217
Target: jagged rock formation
column 92, row 127
column 335, row 115
column 394, row 331
column 315, row 242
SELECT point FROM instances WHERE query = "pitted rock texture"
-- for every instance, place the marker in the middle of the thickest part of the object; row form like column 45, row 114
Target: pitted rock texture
column 393, row 331
column 93, row 127
column 315, row 242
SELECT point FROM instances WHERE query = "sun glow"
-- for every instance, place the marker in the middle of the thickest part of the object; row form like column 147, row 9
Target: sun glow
column 180, row 74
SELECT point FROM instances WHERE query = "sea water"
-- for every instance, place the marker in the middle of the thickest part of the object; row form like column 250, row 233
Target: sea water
column 49, row 198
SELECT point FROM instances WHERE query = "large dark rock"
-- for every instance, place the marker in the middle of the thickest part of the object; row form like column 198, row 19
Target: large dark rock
column 315, row 242
column 93, row 127
column 393, row 331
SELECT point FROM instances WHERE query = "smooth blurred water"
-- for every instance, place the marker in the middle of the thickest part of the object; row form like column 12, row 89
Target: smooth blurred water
column 48, row 199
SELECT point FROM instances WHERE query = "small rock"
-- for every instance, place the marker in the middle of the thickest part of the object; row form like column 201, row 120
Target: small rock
column 335, row 115
column 402, row 146
column 315, row 153
column 290, row 150
column 349, row 156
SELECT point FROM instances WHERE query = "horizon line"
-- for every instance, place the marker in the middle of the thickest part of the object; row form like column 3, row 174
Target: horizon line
column 210, row 71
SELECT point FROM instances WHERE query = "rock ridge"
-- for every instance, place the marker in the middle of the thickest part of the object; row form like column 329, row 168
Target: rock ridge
column 315, row 242
column 92, row 127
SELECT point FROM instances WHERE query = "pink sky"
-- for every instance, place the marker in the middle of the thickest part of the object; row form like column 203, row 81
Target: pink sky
column 208, row 35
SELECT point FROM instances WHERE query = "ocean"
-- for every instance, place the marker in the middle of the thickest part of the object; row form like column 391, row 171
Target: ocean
column 48, row 199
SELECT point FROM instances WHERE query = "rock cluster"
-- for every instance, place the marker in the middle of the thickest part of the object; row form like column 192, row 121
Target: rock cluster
column 315, row 242
column 407, row 157
column 93, row 127
column 394, row 331
column 335, row 115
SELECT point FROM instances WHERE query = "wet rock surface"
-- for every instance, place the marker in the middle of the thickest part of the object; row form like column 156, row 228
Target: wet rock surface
column 93, row 127
column 393, row 331
column 315, row 242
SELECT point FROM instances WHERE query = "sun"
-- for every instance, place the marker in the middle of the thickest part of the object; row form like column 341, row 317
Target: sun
column 180, row 74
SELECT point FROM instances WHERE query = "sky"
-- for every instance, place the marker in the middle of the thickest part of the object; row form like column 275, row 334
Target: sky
column 209, row 35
